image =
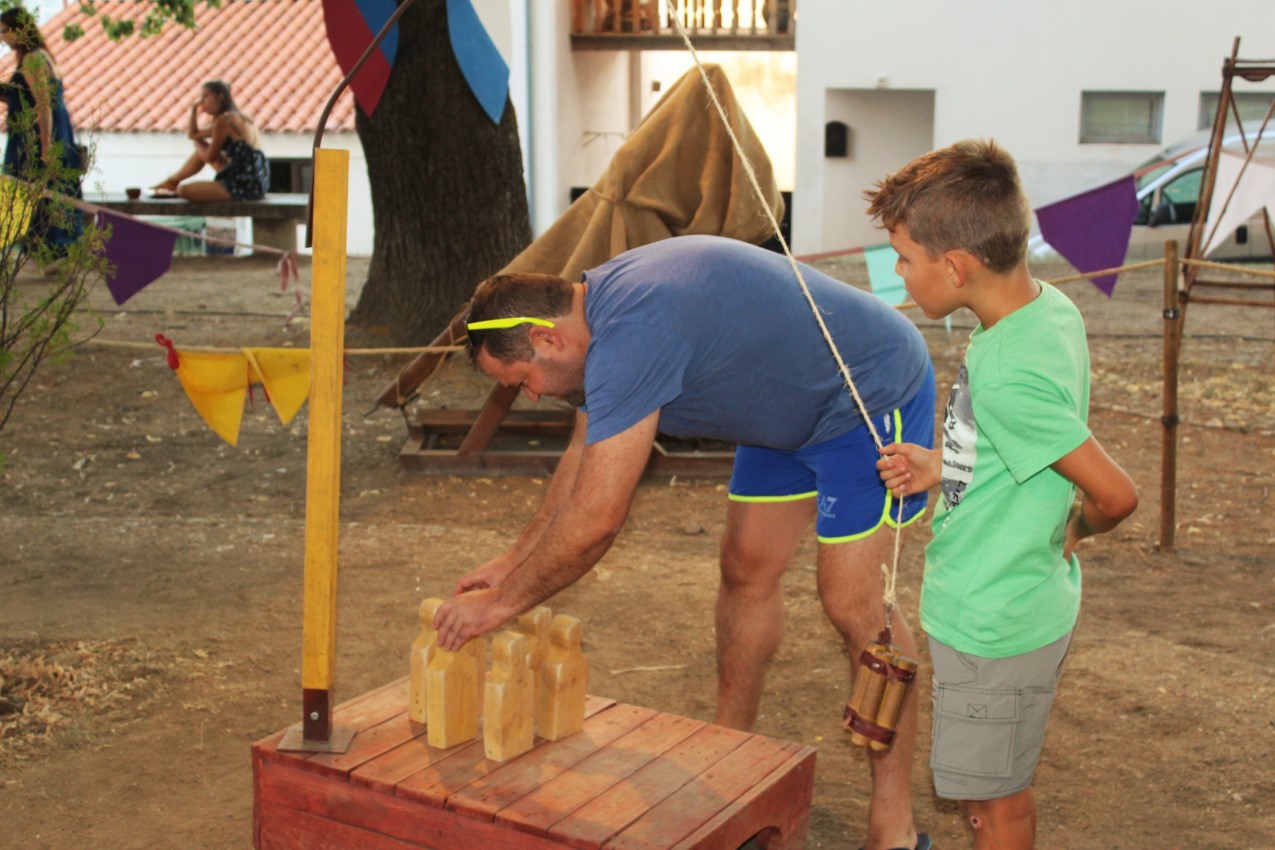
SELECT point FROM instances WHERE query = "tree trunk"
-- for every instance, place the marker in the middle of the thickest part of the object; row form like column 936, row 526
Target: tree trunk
column 448, row 198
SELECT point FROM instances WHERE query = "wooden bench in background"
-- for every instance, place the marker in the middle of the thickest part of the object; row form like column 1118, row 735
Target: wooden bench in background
column 632, row 778
column 274, row 218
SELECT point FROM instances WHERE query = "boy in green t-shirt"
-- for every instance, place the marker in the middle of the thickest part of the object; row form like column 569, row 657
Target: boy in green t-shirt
column 1001, row 591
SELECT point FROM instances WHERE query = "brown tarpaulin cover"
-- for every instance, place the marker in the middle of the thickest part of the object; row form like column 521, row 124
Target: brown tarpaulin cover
column 676, row 175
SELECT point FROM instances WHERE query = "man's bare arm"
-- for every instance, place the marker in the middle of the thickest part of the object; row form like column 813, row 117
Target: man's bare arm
column 575, row 539
column 561, row 485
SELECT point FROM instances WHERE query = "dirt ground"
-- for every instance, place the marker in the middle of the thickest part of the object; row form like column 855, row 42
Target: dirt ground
column 151, row 575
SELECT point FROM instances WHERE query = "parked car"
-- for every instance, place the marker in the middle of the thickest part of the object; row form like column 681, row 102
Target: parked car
column 1168, row 191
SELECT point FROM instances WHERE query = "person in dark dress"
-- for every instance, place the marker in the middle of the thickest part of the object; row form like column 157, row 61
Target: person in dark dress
column 41, row 145
column 230, row 144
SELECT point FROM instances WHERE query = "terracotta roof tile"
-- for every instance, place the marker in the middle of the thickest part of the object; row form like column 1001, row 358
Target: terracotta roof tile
column 274, row 53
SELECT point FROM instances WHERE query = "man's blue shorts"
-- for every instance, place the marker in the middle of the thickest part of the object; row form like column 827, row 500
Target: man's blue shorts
column 841, row 472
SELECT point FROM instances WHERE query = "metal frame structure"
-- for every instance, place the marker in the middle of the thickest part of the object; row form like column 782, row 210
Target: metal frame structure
column 1182, row 276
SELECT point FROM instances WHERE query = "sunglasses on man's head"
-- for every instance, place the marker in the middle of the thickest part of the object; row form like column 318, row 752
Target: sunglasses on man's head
column 501, row 324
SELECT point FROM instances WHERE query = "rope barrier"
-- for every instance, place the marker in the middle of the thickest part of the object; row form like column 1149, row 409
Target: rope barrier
column 209, row 349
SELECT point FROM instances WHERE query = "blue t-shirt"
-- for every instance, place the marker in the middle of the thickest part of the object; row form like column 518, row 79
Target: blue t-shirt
column 718, row 336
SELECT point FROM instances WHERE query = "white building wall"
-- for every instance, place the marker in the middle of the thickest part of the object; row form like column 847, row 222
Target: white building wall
column 1009, row 70
column 122, row 160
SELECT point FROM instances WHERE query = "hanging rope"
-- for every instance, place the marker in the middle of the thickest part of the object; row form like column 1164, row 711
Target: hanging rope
column 891, row 573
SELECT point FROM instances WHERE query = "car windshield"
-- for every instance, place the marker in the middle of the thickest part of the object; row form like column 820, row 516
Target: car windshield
column 1151, row 176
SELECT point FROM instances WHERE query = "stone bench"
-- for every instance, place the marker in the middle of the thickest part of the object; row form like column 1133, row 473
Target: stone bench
column 274, row 218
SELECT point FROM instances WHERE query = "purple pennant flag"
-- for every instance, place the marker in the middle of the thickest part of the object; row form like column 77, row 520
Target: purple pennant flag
column 1091, row 230
column 140, row 252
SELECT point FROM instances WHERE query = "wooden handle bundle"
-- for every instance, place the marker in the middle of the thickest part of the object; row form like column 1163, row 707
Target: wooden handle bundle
column 881, row 686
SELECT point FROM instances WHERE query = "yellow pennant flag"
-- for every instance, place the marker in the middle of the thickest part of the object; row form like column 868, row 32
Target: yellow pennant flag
column 216, row 384
column 15, row 211
column 285, row 373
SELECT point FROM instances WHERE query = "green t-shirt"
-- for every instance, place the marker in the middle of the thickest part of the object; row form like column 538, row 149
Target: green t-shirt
column 995, row 582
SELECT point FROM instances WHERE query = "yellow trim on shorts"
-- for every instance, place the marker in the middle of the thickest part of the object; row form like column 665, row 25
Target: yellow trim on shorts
column 885, row 509
column 793, row 498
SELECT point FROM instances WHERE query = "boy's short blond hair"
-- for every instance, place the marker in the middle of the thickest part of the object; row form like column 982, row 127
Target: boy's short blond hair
column 963, row 197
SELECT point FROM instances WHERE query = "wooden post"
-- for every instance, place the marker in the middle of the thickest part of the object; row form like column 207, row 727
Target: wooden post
column 1172, row 345
column 1195, row 237
column 323, row 451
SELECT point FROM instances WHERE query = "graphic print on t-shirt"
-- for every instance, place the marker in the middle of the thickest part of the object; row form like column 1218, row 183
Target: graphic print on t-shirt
column 959, row 436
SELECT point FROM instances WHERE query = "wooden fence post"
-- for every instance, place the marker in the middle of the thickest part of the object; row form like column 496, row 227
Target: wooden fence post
column 323, row 455
column 1172, row 345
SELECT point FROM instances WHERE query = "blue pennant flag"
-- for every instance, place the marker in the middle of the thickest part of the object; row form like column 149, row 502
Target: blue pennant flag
column 480, row 60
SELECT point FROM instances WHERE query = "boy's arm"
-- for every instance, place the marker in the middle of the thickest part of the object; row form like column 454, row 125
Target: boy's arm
column 1108, row 494
column 908, row 468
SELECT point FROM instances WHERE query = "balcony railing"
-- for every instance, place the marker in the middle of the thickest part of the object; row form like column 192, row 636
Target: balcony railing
column 712, row 24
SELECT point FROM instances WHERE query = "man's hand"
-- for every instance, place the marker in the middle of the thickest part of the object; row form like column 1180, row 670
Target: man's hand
column 907, row 469
column 468, row 616
column 490, row 574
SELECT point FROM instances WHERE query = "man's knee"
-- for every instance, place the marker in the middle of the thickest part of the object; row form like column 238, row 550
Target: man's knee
column 746, row 570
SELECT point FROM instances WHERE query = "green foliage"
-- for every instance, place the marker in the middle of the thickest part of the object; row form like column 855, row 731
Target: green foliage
column 44, row 287
column 160, row 13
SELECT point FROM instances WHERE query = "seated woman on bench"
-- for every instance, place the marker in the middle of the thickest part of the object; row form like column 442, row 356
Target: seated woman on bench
column 230, row 144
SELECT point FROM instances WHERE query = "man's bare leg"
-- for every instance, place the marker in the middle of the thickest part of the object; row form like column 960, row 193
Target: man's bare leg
column 851, row 588
column 759, row 542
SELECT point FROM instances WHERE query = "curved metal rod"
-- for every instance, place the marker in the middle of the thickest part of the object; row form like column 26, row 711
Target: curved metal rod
column 327, row 108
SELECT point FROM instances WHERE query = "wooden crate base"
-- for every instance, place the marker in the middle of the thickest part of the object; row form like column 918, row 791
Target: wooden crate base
column 632, row 778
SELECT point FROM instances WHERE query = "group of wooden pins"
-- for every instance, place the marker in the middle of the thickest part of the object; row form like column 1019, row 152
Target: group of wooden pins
column 536, row 684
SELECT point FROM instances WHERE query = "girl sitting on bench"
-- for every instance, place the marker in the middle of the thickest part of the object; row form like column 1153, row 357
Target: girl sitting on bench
column 230, row 144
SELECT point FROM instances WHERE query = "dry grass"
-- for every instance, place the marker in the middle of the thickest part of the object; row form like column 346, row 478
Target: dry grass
column 55, row 693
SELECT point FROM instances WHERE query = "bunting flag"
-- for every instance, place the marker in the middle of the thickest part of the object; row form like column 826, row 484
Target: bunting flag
column 285, row 373
column 351, row 26
column 1254, row 189
column 217, row 382
column 884, row 280
column 15, row 211
column 885, row 283
column 1092, row 230
column 139, row 253
column 216, row 385
column 482, row 41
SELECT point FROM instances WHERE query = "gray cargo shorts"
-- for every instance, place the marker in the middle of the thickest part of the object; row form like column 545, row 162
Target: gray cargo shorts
column 989, row 719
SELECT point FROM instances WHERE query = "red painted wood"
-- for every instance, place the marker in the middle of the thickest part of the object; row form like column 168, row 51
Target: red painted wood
column 696, row 802
column 366, row 745
column 283, row 786
column 437, row 782
column 289, row 829
column 386, row 771
column 781, row 801
column 491, row 793
column 558, row 797
column 433, row 785
column 358, row 713
column 632, row 778
column 620, row 805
